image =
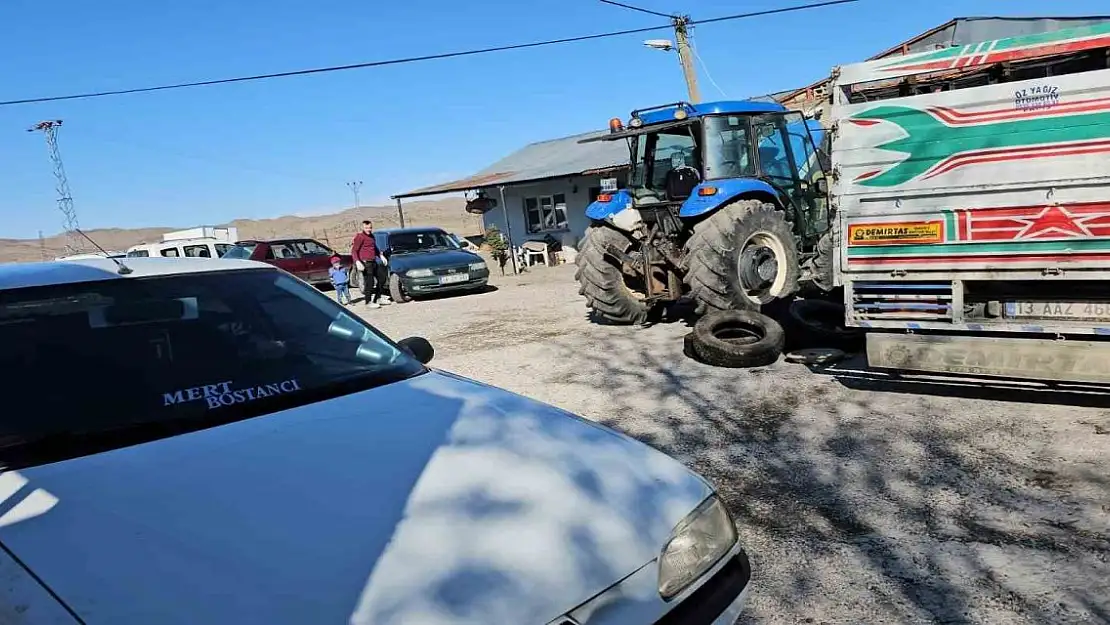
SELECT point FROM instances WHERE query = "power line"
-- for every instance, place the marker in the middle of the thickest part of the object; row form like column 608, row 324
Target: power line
column 705, row 68
column 415, row 59
column 800, row 7
column 629, row 6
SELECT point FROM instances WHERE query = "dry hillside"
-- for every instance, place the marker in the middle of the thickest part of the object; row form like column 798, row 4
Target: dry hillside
column 336, row 229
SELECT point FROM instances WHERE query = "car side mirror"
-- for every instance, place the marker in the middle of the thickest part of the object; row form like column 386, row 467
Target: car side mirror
column 418, row 347
column 822, row 185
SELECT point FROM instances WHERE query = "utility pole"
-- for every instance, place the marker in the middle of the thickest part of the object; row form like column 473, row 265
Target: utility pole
column 354, row 186
column 42, row 246
column 681, row 25
column 400, row 213
column 49, row 128
column 685, row 58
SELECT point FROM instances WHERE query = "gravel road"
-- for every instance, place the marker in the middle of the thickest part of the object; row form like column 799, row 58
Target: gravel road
column 861, row 499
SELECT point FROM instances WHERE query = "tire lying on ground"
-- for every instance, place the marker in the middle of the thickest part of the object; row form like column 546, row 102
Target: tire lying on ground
column 737, row 338
column 688, row 346
column 601, row 280
column 690, row 350
column 820, row 323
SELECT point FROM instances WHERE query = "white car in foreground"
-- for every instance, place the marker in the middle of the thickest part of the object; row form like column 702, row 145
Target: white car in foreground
column 215, row 442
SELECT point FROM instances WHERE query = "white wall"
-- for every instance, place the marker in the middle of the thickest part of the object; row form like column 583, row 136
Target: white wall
column 576, row 189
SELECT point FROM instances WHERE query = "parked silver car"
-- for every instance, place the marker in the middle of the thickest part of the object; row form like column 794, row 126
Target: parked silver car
column 213, row 441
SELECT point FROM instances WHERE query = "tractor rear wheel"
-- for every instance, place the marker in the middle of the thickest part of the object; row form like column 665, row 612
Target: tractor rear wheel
column 742, row 257
column 608, row 291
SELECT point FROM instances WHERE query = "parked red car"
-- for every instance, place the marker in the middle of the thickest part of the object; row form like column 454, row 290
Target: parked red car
column 308, row 259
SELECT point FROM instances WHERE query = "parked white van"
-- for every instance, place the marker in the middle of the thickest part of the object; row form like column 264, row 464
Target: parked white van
column 182, row 248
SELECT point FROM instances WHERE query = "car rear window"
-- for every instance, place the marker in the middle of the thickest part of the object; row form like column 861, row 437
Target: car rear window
column 242, row 250
column 308, row 247
column 91, row 357
column 418, row 241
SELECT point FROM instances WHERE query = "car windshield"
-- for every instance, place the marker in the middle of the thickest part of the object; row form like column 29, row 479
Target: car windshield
column 123, row 354
column 728, row 148
column 401, row 242
column 242, row 250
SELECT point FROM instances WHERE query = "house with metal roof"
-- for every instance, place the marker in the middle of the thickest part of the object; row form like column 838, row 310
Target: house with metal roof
column 543, row 188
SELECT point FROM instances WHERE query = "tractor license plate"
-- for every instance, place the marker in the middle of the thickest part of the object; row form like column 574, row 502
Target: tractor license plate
column 454, row 278
column 1064, row 311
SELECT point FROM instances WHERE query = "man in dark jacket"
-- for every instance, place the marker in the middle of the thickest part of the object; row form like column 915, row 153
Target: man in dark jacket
column 365, row 254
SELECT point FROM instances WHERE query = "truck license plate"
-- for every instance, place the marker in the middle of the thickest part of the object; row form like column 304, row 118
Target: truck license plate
column 1088, row 311
column 454, row 278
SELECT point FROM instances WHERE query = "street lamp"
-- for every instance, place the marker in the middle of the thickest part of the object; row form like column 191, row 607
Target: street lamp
column 681, row 44
column 666, row 45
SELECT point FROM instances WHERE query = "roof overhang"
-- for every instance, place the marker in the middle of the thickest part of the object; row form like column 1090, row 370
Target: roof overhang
column 485, row 181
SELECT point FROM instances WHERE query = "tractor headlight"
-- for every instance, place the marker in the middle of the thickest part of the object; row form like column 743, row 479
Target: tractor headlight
column 697, row 543
column 478, row 266
column 419, row 273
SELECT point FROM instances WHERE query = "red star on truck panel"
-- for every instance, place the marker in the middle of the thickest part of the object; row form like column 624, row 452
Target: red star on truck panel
column 1053, row 221
column 1013, row 223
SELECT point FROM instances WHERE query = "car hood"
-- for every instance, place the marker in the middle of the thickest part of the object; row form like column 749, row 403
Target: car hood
column 436, row 500
column 431, row 259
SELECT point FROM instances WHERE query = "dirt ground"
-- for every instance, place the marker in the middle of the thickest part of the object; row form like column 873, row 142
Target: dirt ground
column 860, row 499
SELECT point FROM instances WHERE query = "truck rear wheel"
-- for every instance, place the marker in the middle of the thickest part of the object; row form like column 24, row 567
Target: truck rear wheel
column 742, row 257
column 602, row 280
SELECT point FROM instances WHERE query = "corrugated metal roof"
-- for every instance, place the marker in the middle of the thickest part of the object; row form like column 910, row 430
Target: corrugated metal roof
column 542, row 160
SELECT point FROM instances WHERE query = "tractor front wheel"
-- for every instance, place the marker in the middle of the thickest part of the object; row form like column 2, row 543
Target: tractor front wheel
column 608, row 290
column 742, row 257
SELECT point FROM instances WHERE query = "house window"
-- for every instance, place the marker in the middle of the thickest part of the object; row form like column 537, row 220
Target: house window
column 547, row 213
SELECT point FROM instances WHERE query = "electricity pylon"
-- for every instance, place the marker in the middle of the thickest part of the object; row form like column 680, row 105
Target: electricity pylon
column 49, row 128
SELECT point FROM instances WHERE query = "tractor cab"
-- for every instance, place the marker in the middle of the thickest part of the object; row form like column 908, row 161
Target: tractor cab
column 693, row 159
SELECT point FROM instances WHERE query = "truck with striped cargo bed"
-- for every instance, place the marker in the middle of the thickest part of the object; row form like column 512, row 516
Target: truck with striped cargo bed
column 971, row 192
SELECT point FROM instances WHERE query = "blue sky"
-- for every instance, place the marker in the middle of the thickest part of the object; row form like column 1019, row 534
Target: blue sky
column 264, row 149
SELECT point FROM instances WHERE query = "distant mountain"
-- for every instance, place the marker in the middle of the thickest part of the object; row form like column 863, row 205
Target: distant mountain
column 335, row 229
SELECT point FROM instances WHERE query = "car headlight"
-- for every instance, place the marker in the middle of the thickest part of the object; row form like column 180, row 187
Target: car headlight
column 478, row 266
column 419, row 273
column 697, row 543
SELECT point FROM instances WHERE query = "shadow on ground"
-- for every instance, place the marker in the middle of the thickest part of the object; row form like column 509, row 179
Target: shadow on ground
column 870, row 507
column 854, row 374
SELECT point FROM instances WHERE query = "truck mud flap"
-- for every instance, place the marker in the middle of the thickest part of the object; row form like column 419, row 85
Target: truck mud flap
column 1038, row 359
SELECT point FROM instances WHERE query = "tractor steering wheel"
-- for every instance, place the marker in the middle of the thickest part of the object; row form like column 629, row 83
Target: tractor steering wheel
column 728, row 169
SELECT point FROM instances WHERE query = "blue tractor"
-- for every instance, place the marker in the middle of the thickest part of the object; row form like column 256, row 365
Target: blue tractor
column 726, row 204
